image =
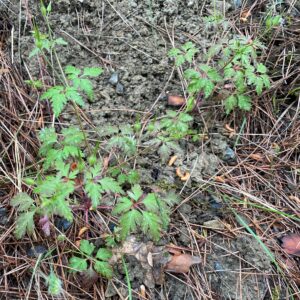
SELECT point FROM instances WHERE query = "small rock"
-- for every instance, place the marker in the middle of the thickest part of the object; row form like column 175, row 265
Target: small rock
column 218, row 267
column 36, row 251
column 114, row 79
column 112, row 226
column 229, row 154
column 120, row 88
column 190, row 3
column 214, row 224
column 62, row 224
column 3, row 216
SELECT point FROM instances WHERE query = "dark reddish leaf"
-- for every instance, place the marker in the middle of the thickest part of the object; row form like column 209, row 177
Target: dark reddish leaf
column 291, row 244
column 45, row 225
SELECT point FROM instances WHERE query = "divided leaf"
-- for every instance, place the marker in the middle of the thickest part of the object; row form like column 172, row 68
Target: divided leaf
column 78, row 264
column 124, row 204
column 93, row 72
column 244, row 102
column 151, row 203
column 230, row 104
column 129, row 222
column 94, row 191
column 103, row 268
column 136, row 192
column 151, row 225
column 24, row 224
column 54, row 284
column 22, row 202
column 103, row 254
column 57, row 98
column 110, row 185
column 86, row 247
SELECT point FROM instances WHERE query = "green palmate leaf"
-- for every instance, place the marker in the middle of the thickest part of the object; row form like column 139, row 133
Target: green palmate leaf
column 86, row 86
column 251, row 77
column 110, row 185
column 57, row 97
column 73, row 151
column 266, row 80
column 72, row 70
column 244, row 102
column 86, row 247
column 183, row 117
column 103, row 268
column 103, row 254
column 129, row 222
column 187, row 46
column 63, row 209
column 180, row 59
column 73, row 95
column 174, row 52
column 229, row 72
column 48, row 186
column 230, row 103
column 190, row 54
column 94, row 171
column 60, row 41
column 48, row 137
column 124, row 204
column 78, row 264
column 22, row 202
column 151, row 224
column 261, row 68
column 213, row 50
column 54, row 285
column 136, row 192
column 259, row 85
column 171, row 198
column 72, row 136
column 34, row 52
column 196, row 85
column 94, row 191
column 208, row 88
column 240, row 81
column 93, row 72
column 24, row 224
column 151, row 202
column 191, row 74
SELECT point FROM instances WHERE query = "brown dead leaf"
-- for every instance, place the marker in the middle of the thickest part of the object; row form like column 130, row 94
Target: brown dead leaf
column 172, row 160
column 245, row 15
column 82, row 231
column 181, row 263
column 220, row 179
column 291, row 244
column 256, row 156
column 176, row 100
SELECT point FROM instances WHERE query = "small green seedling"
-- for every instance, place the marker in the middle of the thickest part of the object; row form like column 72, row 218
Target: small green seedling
column 234, row 70
column 147, row 212
column 86, row 260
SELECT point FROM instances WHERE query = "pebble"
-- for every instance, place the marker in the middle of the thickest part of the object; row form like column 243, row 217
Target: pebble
column 114, row 79
column 120, row 88
column 62, row 224
column 3, row 216
column 36, row 251
column 229, row 154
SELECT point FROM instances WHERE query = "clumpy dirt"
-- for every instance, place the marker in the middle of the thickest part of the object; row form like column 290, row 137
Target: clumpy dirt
column 130, row 40
column 237, row 268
